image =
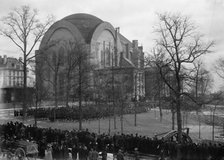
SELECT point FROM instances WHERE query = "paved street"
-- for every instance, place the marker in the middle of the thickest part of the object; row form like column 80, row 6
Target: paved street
column 6, row 114
column 109, row 157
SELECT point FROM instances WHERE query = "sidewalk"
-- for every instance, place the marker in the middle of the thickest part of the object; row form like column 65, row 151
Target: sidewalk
column 5, row 158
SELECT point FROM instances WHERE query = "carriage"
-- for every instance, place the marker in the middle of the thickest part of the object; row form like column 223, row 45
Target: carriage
column 19, row 150
column 173, row 136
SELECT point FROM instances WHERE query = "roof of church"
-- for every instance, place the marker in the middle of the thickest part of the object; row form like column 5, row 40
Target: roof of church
column 85, row 23
column 123, row 39
column 126, row 62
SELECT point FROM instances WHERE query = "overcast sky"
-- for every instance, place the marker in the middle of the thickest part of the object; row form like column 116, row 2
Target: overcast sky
column 134, row 17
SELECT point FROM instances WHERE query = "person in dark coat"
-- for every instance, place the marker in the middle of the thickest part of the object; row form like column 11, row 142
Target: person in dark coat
column 74, row 152
column 55, row 151
column 83, row 153
column 65, row 151
column 136, row 154
column 104, row 154
column 93, row 154
column 41, row 149
column 120, row 155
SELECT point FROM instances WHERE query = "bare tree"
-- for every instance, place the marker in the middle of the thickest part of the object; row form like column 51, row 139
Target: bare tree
column 177, row 46
column 67, row 70
column 219, row 66
column 78, row 72
column 74, row 53
column 51, row 65
column 215, row 99
column 40, row 91
column 200, row 86
column 22, row 27
column 84, row 76
column 157, row 87
column 105, row 90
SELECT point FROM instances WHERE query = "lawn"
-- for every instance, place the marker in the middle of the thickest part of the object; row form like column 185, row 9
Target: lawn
column 148, row 124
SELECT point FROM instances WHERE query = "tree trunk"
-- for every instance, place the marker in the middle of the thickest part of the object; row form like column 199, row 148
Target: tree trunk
column 199, row 125
column 135, row 121
column 80, row 99
column 179, row 121
column 173, row 117
column 67, row 91
column 109, row 117
column 35, row 113
column 115, row 125
column 96, row 103
column 55, row 98
column 160, row 107
column 122, row 123
column 80, row 74
column 183, row 119
column 213, row 123
column 160, row 111
column 24, row 87
column 213, row 126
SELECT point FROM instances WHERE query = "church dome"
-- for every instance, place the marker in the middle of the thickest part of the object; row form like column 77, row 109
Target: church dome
column 85, row 23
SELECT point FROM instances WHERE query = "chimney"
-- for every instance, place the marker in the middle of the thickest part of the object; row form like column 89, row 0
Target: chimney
column 127, row 51
column 140, row 48
column 135, row 44
column 5, row 59
column 20, row 59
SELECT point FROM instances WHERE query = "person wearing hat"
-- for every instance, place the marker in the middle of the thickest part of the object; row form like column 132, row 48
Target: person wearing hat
column 93, row 154
column 48, row 153
column 120, row 155
column 104, row 154
column 136, row 154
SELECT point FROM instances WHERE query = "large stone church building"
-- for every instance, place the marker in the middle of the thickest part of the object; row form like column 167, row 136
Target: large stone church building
column 112, row 54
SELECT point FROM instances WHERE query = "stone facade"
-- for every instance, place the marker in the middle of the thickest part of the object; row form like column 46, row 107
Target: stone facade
column 109, row 51
column 11, row 79
column 11, row 72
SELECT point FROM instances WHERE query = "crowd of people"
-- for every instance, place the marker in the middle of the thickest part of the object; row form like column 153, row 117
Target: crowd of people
column 72, row 113
column 63, row 144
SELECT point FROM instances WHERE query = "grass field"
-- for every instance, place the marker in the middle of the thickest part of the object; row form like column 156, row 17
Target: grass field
column 148, row 124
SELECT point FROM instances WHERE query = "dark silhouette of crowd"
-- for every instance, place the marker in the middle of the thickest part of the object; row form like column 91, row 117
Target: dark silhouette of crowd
column 86, row 143
column 72, row 113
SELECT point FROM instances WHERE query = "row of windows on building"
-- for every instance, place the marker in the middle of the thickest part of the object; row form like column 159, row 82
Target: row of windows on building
column 10, row 78
column 6, row 73
column 11, row 82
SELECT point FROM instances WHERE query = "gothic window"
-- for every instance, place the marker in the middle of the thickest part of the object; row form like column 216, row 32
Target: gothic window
column 61, row 55
column 127, row 51
column 102, row 57
column 106, row 41
column 97, row 53
column 107, row 58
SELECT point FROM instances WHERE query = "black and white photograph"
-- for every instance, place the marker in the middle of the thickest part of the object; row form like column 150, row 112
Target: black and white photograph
column 111, row 80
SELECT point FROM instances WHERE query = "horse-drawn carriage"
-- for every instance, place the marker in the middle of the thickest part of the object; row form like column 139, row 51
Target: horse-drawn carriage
column 18, row 150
